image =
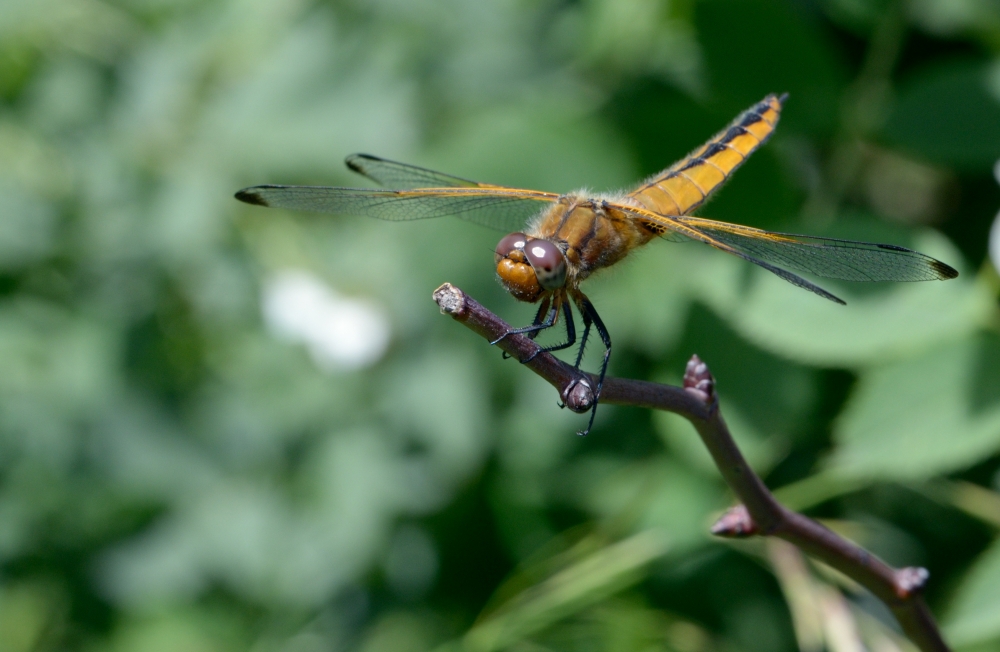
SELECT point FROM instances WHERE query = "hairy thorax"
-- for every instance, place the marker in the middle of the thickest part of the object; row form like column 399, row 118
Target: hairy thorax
column 591, row 234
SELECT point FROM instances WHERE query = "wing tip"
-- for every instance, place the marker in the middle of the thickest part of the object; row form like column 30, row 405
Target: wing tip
column 821, row 292
column 251, row 196
column 943, row 271
column 352, row 161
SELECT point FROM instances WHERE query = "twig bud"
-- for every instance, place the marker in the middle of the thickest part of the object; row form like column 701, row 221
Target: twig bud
column 909, row 580
column 579, row 396
column 736, row 523
column 699, row 382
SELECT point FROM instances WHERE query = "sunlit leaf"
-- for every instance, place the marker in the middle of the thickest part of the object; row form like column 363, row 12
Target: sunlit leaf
column 932, row 413
column 198, row 631
column 974, row 616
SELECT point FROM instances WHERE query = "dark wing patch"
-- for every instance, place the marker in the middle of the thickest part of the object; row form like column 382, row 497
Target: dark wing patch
column 250, row 196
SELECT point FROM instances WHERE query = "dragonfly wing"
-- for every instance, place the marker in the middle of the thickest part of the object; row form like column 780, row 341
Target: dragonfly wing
column 392, row 174
column 842, row 259
column 673, row 228
column 688, row 183
column 504, row 209
column 849, row 260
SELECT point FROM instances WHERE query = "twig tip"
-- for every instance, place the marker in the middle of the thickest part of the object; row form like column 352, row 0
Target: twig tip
column 910, row 580
column 736, row 523
column 699, row 382
column 450, row 299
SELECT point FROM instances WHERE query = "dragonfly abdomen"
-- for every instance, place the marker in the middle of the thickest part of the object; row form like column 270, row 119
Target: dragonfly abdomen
column 685, row 185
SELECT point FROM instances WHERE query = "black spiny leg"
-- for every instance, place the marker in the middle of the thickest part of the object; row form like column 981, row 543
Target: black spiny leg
column 588, row 311
column 551, row 308
column 587, row 323
column 532, row 331
column 570, row 335
column 550, row 319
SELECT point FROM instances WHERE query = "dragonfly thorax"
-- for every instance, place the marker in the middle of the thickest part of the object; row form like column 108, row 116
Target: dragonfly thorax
column 529, row 267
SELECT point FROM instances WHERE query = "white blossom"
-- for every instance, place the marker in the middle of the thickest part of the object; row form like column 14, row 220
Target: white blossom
column 339, row 332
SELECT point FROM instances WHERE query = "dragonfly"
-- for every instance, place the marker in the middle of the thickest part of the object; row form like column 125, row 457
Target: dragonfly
column 556, row 241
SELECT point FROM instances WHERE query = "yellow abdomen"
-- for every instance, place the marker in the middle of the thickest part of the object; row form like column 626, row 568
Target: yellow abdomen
column 686, row 184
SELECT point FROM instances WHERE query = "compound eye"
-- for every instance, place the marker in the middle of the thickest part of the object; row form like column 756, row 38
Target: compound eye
column 548, row 262
column 508, row 244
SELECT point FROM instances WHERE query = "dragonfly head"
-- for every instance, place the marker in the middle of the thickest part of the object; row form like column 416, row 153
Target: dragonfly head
column 529, row 267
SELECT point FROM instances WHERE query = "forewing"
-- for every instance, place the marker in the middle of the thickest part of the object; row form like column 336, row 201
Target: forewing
column 503, row 209
column 849, row 260
column 392, row 174
column 688, row 183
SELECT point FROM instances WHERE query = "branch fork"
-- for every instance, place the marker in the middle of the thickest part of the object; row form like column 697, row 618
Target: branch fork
column 759, row 513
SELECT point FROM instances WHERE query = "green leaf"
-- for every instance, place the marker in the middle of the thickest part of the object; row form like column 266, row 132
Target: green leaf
column 58, row 369
column 29, row 609
column 180, row 629
column 761, row 451
column 27, row 228
column 757, row 47
column 948, row 114
column 644, row 301
column 974, row 616
column 659, row 493
column 780, row 405
column 930, row 414
column 589, row 581
column 547, row 144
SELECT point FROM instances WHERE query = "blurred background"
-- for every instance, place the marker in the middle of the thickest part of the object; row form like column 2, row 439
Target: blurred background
column 230, row 428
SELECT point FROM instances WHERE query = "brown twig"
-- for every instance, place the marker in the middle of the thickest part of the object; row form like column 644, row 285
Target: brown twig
column 760, row 513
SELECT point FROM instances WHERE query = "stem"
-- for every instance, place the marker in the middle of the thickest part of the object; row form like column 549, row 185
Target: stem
column 760, row 513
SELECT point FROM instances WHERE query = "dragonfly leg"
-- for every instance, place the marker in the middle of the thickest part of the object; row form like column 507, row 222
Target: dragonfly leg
column 543, row 309
column 590, row 314
column 587, row 323
column 540, row 316
column 551, row 311
column 548, row 313
column 570, row 335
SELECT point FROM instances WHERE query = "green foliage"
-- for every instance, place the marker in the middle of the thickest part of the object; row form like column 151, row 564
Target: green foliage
column 972, row 618
column 184, row 464
column 952, row 430
column 938, row 103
